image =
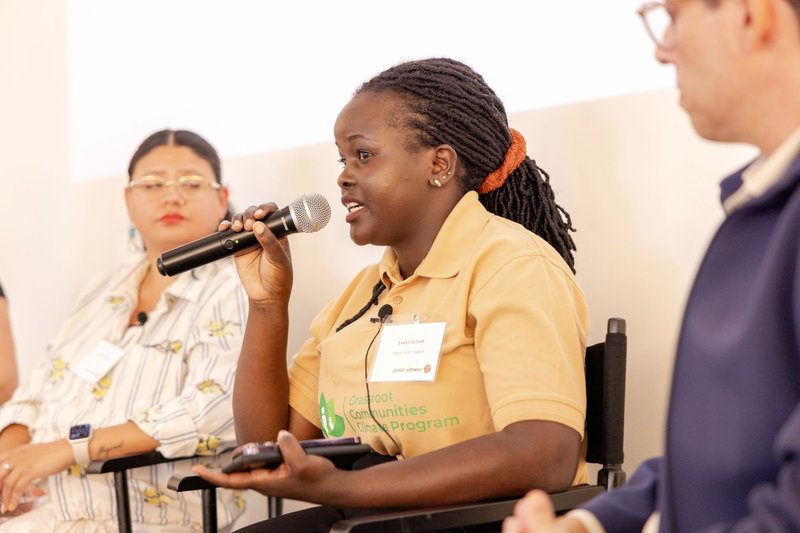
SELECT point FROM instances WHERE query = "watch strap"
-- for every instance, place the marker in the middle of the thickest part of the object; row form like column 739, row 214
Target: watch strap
column 79, row 437
column 80, row 449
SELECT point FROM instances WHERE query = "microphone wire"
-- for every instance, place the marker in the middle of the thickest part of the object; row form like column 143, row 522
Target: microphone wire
column 376, row 292
column 369, row 403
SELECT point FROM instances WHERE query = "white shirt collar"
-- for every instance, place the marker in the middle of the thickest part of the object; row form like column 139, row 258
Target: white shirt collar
column 764, row 173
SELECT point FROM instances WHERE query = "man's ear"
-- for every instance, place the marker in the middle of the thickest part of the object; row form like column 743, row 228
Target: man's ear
column 759, row 23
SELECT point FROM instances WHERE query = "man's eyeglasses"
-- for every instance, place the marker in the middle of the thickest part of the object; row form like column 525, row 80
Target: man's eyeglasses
column 657, row 20
column 190, row 186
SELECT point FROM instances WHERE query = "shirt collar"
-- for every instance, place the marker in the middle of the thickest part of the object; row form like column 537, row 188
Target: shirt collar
column 451, row 247
column 126, row 284
column 763, row 173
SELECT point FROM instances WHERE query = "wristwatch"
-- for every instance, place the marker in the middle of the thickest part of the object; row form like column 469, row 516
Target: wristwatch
column 79, row 437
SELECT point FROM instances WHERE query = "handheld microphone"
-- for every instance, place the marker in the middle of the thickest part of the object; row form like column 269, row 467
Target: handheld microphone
column 308, row 213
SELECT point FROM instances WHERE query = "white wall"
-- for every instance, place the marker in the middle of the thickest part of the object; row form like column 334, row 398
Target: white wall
column 265, row 75
column 641, row 188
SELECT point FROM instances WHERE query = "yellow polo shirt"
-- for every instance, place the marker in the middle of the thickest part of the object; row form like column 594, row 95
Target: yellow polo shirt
column 513, row 348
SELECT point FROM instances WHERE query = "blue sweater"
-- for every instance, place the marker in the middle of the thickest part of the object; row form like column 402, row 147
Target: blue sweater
column 733, row 432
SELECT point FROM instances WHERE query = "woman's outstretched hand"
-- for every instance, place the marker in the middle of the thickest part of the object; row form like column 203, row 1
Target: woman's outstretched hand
column 301, row 476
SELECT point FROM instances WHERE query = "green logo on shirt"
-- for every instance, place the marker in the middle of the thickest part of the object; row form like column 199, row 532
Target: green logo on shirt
column 332, row 424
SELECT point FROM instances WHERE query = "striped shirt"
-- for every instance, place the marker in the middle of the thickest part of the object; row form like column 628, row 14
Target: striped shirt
column 174, row 381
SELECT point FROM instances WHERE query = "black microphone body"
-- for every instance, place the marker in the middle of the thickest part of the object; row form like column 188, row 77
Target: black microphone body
column 220, row 244
column 308, row 213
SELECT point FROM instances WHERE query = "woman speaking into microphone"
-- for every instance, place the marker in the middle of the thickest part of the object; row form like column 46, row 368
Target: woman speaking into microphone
column 459, row 356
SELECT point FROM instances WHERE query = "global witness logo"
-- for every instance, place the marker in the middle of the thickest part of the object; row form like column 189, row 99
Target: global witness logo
column 332, row 424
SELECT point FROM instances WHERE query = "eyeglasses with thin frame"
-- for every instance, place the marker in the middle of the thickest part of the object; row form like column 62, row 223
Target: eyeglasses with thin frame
column 657, row 20
column 189, row 186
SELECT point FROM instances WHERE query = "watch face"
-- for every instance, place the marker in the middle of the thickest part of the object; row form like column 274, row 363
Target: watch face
column 82, row 431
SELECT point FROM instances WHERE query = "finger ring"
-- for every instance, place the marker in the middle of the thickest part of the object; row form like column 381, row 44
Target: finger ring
column 7, row 467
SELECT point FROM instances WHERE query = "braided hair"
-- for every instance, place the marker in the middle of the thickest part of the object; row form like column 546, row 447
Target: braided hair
column 446, row 102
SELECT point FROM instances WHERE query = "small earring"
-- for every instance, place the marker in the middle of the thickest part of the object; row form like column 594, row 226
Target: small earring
column 437, row 183
column 135, row 242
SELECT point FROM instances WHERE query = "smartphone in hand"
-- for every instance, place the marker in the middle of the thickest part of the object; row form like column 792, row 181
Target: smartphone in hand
column 341, row 451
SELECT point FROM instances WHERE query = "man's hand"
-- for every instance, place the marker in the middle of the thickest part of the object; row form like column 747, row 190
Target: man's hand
column 534, row 514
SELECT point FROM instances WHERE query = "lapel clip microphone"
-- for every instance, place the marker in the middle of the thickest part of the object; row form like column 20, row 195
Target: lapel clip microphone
column 385, row 311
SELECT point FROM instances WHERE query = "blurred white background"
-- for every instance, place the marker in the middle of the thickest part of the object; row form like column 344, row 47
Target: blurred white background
column 258, row 76
column 84, row 81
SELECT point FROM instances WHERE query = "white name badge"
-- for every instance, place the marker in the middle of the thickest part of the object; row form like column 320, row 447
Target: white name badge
column 98, row 361
column 408, row 352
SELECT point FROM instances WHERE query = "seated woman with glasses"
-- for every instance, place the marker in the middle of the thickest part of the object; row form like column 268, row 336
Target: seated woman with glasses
column 145, row 363
column 8, row 363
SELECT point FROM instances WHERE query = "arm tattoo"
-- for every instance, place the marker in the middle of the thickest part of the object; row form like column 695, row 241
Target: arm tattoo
column 104, row 452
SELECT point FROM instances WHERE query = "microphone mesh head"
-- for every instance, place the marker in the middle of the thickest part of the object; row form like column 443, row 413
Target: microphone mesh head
column 310, row 212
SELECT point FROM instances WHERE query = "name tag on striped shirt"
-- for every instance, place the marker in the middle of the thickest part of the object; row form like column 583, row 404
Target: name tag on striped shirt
column 98, row 361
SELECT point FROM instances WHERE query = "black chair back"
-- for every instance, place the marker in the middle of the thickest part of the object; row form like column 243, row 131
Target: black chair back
column 605, row 404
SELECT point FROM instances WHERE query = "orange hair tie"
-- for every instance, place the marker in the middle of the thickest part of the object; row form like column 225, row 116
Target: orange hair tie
column 514, row 158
